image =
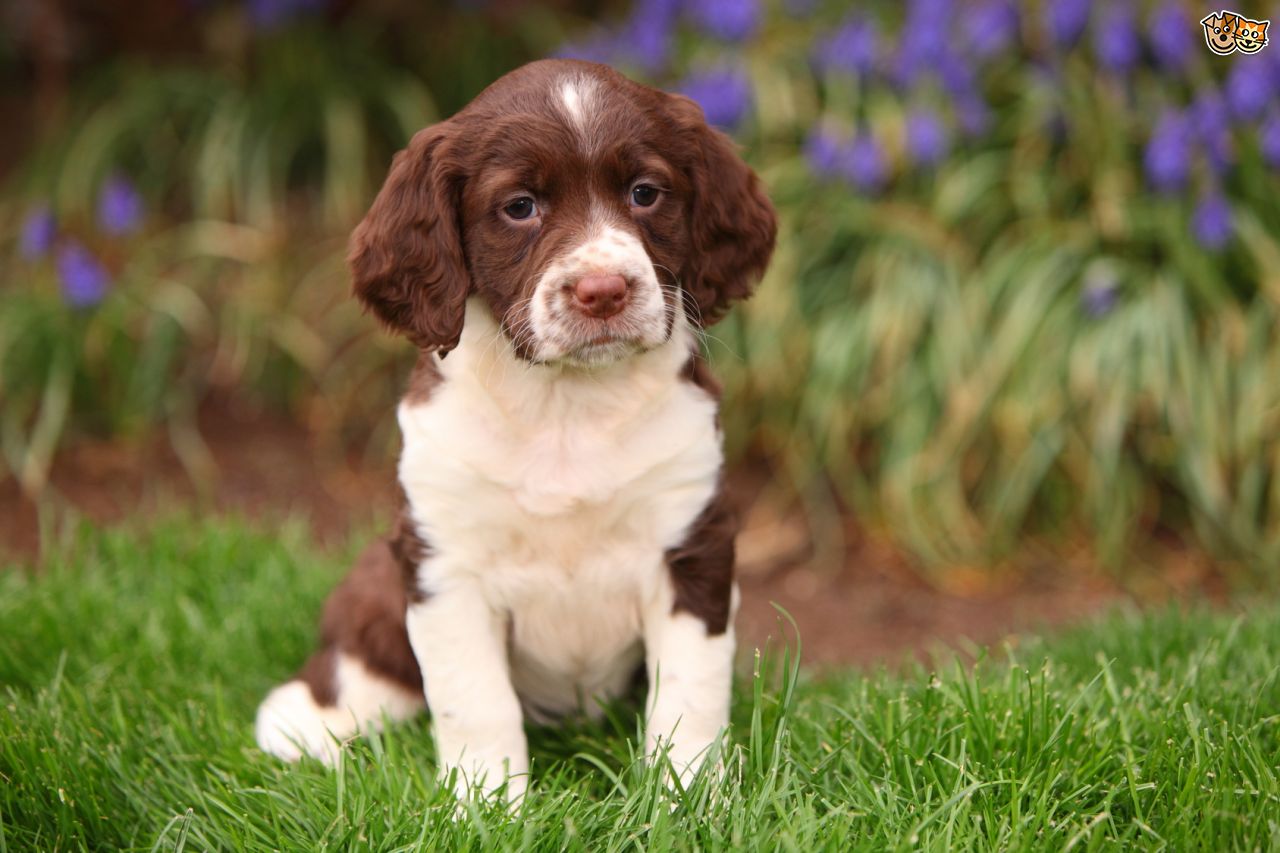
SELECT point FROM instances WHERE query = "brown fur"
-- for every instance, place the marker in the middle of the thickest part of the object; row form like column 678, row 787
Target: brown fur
column 365, row 617
column 435, row 234
column 702, row 566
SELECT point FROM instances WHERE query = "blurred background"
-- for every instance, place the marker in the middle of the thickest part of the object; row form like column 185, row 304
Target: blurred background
column 1017, row 354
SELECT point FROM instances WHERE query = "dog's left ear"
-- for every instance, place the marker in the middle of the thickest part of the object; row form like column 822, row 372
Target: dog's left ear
column 732, row 223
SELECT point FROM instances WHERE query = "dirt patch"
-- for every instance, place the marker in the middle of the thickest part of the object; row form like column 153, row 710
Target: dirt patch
column 863, row 603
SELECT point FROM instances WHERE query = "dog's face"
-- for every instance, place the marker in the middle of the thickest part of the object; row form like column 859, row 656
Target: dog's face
column 1220, row 32
column 586, row 211
column 1251, row 36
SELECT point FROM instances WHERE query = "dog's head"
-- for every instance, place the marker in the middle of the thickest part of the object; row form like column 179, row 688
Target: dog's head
column 584, row 209
column 1220, row 32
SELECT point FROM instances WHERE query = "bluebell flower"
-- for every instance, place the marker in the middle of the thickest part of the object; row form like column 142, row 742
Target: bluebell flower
column 1249, row 88
column 1212, row 221
column 990, row 28
column 926, row 29
column 956, row 75
column 1172, row 35
column 862, row 163
column 1066, row 20
column 852, row 48
column 728, row 20
column 822, row 151
column 1269, row 140
column 723, row 93
column 39, row 229
column 1115, row 39
column 1168, row 155
column 927, row 141
column 120, row 207
column 1211, row 122
column 647, row 35
column 83, row 278
column 1100, row 295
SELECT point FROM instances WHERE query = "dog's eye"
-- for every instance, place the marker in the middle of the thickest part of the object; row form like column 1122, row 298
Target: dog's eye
column 644, row 195
column 521, row 209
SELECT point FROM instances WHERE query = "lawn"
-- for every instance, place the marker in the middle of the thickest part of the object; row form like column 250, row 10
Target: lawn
column 130, row 667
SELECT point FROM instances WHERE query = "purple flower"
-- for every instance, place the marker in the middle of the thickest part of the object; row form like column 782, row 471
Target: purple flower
column 647, row 35
column 84, row 279
column 927, row 141
column 1066, row 20
column 852, row 48
column 38, row 231
column 1115, row 40
column 1248, row 89
column 1168, row 155
column 863, row 164
column 957, row 76
column 1211, row 122
column 926, row 30
column 822, row 150
column 728, row 20
column 1100, row 295
column 119, row 206
column 990, row 28
column 723, row 93
column 1171, row 35
column 1211, row 222
column 1269, row 140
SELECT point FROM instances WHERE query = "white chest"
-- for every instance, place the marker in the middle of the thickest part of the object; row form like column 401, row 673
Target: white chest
column 559, row 506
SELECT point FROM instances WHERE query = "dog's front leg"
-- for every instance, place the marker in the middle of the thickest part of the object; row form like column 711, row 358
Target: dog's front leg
column 460, row 643
column 690, row 678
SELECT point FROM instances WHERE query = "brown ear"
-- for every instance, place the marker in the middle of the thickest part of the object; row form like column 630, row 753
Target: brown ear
column 406, row 259
column 732, row 223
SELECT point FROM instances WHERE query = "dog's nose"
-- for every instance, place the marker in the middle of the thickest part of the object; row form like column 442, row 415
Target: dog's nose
column 600, row 295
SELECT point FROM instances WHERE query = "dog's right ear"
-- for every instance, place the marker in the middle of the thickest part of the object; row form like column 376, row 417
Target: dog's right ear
column 406, row 258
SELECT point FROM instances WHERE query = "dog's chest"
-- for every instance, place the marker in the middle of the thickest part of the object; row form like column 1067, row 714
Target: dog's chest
column 562, row 521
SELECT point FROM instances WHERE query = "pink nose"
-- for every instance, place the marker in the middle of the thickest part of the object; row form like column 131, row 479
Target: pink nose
column 601, row 295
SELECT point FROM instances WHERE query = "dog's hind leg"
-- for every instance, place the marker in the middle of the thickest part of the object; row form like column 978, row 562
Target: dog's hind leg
column 365, row 671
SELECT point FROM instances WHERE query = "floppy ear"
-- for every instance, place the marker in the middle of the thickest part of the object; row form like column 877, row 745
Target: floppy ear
column 406, row 259
column 732, row 223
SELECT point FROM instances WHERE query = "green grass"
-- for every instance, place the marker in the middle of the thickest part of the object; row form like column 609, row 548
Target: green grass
column 131, row 666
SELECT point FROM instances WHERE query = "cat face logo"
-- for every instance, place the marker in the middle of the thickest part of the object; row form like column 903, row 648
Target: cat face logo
column 1251, row 36
column 1227, row 32
column 1220, row 32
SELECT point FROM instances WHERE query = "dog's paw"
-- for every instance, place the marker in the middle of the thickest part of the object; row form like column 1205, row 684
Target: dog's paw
column 291, row 724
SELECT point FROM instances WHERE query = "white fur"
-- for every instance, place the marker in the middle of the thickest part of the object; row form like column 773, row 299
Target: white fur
column 578, row 97
column 609, row 250
column 549, row 496
column 290, row 723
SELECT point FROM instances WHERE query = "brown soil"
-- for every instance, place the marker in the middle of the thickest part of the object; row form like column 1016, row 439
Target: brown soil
column 861, row 603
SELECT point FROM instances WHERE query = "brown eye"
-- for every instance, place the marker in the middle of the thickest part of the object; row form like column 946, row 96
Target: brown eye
column 644, row 195
column 521, row 209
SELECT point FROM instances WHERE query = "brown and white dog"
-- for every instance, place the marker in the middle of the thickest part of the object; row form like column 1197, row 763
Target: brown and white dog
column 562, row 239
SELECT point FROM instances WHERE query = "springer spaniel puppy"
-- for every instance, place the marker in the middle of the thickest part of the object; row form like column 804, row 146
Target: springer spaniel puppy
column 562, row 240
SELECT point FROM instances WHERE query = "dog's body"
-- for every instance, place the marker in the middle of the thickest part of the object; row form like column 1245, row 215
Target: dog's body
column 564, row 522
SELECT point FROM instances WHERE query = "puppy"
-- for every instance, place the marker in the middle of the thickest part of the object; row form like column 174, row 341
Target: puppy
column 562, row 240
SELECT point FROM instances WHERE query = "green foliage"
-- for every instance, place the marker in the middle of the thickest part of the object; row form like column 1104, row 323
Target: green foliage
column 131, row 665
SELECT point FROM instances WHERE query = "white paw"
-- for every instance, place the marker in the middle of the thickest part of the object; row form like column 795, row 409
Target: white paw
column 290, row 724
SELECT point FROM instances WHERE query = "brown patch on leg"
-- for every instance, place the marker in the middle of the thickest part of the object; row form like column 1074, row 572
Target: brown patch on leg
column 364, row 617
column 702, row 566
column 409, row 549
column 318, row 673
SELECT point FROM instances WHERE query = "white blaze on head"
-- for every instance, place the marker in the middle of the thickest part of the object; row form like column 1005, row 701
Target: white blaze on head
column 578, row 97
